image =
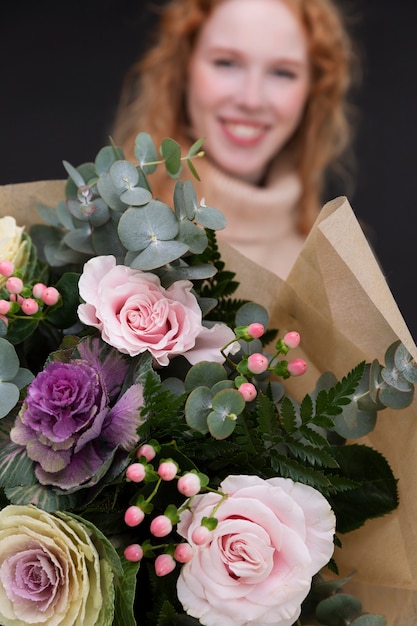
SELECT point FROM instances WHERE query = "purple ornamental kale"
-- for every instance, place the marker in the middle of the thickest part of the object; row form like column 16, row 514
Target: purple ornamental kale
column 72, row 420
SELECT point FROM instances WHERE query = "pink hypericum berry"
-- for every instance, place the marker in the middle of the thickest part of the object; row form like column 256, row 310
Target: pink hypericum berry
column 292, row 339
column 256, row 330
column 134, row 516
column 297, row 367
column 14, row 284
column 6, row 268
column 161, row 526
column 30, row 306
column 38, row 289
column 50, row 296
column 201, row 535
column 183, row 553
column 248, row 391
column 4, row 307
column 136, row 472
column 257, row 363
column 147, row 451
column 164, row 564
column 189, row 484
column 16, row 297
column 167, row 470
column 133, row 553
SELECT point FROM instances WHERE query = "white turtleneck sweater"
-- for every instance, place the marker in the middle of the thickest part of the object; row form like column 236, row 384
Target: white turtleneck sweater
column 261, row 221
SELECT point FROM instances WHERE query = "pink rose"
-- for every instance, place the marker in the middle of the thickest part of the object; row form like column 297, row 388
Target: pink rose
column 135, row 313
column 272, row 536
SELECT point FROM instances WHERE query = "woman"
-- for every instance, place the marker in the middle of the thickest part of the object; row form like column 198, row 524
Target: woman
column 265, row 83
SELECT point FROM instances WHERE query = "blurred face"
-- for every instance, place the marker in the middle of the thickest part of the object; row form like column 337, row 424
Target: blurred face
column 248, row 84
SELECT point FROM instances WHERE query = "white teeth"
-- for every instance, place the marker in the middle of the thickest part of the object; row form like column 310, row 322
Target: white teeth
column 244, row 131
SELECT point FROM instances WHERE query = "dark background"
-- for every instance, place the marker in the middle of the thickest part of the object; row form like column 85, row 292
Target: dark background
column 61, row 69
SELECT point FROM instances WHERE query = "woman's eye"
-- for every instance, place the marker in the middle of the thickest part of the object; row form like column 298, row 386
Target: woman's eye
column 284, row 73
column 224, row 63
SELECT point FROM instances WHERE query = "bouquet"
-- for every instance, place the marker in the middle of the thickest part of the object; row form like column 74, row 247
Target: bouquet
column 160, row 459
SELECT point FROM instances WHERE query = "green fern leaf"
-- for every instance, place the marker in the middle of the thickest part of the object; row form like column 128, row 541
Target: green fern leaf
column 288, row 415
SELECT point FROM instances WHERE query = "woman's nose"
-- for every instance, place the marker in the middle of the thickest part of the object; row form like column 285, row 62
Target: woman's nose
column 251, row 90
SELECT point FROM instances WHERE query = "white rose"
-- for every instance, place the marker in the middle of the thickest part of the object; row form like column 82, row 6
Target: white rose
column 13, row 247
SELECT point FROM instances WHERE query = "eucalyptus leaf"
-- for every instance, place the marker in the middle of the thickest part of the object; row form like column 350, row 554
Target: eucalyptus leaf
column 124, row 175
column 193, row 236
column 353, row 422
column 171, row 153
column 9, row 361
column 22, row 378
column 136, row 196
column 86, row 175
column 251, row 312
column 109, row 193
column 395, row 399
column 209, row 217
column 339, row 609
column 9, row 396
column 229, row 403
column 74, row 174
column 64, row 216
column 145, row 153
column 157, row 254
column 220, row 426
column 369, row 620
column 185, row 200
column 202, row 271
column 105, row 239
column 205, row 373
column 196, row 147
column 48, row 214
column 80, row 240
column 138, row 227
column 197, row 408
column 106, row 157
column 395, row 378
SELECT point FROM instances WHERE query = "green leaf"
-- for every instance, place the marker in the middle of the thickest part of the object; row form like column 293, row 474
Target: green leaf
column 250, row 313
column 196, row 147
column 376, row 494
column 109, row 193
column 209, row 217
column 394, row 398
column 74, row 174
column 197, row 408
column 193, row 236
column 158, row 254
column 80, row 240
column 145, row 153
column 220, row 426
column 369, row 620
column 65, row 316
column 353, row 423
column 204, row 374
column 106, row 157
column 185, row 200
column 9, row 361
column 171, row 153
column 288, row 415
column 9, row 396
column 338, row 610
column 136, row 196
column 124, row 175
column 15, row 466
column 406, row 363
column 139, row 227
